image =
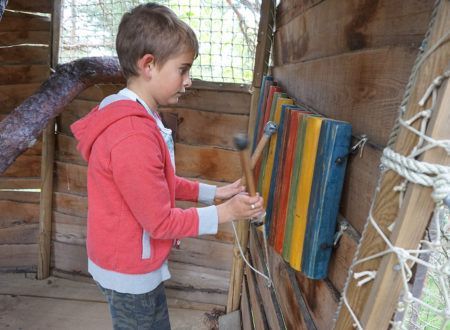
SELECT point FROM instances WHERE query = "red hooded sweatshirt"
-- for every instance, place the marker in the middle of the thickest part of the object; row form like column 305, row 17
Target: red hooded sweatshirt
column 131, row 187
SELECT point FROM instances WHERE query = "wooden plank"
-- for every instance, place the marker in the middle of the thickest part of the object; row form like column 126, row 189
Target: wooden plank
column 99, row 92
column 216, row 101
column 20, row 196
column 215, row 255
column 292, row 308
column 23, row 74
column 246, row 315
column 264, row 41
column 25, row 165
column 220, row 127
column 198, row 284
column 256, row 302
column 19, row 183
column 25, row 54
column 66, row 150
column 360, row 182
column 71, row 178
column 364, row 88
column 322, row 300
column 206, row 162
column 270, row 302
column 12, row 96
column 24, row 37
column 351, row 25
column 191, row 161
column 16, row 21
column 385, row 208
column 18, row 213
column 23, row 312
column 289, row 9
column 69, row 232
column 342, row 258
column 74, row 111
column 16, row 257
column 19, row 234
column 69, row 258
column 38, row 6
column 45, row 204
column 70, row 204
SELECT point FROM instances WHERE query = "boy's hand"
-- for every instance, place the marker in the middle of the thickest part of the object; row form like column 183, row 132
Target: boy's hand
column 241, row 206
column 229, row 190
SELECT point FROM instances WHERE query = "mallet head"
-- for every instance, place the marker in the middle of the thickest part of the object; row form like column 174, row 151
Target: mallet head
column 270, row 128
column 241, row 141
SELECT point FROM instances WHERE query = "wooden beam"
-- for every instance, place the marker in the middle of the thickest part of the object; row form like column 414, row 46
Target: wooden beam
column 261, row 59
column 385, row 207
column 47, row 162
column 409, row 227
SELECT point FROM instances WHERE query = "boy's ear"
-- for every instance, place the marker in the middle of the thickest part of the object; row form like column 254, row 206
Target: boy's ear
column 146, row 64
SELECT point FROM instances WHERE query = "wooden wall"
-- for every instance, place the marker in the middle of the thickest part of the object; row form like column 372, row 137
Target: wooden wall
column 348, row 60
column 208, row 117
column 24, row 65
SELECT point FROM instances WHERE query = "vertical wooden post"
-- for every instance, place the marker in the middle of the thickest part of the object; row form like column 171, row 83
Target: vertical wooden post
column 47, row 161
column 264, row 44
column 386, row 208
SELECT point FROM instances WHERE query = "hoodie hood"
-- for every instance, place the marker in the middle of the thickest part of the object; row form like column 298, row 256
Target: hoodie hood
column 87, row 129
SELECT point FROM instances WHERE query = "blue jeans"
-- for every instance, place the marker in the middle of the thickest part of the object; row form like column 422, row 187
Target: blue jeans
column 138, row 311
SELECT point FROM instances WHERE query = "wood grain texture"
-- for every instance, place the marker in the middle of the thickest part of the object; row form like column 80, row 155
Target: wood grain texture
column 23, row 74
column 364, row 88
column 12, row 96
column 25, row 54
column 17, row 21
column 205, row 162
column 207, row 128
column 246, row 313
column 351, row 25
column 38, row 6
column 16, row 257
column 271, row 304
column 256, row 302
column 386, row 207
column 359, row 186
column 24, row 37
column 289, row 9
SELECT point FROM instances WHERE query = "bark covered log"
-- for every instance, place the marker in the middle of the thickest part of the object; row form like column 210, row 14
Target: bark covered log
column 20, row 129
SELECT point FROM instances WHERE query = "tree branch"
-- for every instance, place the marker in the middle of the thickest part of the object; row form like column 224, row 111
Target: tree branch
column 20, row 129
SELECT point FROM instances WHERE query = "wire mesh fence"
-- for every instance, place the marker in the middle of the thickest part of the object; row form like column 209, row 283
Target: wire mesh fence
column 226, row 30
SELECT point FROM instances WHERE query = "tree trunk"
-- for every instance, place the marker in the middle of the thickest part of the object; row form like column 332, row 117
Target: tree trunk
column 20, row 129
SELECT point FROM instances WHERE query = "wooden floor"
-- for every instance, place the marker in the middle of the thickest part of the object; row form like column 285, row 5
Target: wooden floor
column 55, row 303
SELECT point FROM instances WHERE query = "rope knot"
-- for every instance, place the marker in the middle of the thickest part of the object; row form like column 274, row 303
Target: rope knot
column 441, row 188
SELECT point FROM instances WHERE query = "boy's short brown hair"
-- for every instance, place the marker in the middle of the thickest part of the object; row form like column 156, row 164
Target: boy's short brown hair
column 152, row 29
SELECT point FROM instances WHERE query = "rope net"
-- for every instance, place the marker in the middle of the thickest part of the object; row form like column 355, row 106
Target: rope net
column 226, row 30
column 425, row 272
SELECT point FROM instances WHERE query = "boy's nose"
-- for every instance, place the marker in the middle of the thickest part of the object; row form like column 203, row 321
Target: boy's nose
column 187, row 82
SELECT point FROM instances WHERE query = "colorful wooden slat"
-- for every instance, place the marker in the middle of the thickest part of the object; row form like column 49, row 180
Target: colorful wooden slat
column 313, row 125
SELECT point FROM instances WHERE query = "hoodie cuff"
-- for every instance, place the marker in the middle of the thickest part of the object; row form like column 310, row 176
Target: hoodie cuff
column 206, row 193
column 208, row 220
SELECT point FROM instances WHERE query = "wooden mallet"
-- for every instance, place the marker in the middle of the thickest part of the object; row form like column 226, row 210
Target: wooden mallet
column 269, row 129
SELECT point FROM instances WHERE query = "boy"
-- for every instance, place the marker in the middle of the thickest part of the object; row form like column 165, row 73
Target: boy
column 132, row 186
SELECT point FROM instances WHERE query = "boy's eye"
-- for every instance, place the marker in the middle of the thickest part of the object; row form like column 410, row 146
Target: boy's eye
column 183, row 70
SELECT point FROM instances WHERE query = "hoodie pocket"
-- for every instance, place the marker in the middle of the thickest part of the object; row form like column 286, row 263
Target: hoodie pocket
column 146, row 247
